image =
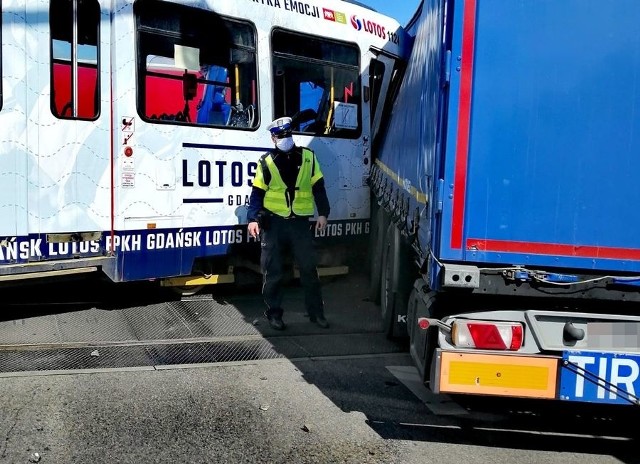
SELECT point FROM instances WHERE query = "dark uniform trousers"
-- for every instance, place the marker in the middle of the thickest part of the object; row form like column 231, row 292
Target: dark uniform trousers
column 275, row 239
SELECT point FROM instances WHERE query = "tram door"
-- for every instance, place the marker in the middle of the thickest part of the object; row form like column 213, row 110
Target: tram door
column 382, row 71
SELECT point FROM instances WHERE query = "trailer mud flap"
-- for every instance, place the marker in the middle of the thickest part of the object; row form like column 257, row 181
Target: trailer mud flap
column 499, row 375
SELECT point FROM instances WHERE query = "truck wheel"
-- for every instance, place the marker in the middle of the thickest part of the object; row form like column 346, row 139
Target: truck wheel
column 395, row 284
column 376, row 241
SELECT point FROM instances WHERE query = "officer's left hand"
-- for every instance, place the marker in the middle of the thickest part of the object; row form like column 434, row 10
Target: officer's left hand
column 321, row 223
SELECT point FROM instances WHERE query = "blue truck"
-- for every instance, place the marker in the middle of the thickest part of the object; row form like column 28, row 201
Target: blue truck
column 505, row 240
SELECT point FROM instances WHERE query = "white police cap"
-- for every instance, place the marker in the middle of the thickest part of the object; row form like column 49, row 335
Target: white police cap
column 280, row 126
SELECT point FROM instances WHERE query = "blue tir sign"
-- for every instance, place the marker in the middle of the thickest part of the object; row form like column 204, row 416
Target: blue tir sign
column 600, row 377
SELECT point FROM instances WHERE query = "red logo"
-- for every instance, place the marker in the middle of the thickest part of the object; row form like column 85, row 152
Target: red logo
column 328, row 14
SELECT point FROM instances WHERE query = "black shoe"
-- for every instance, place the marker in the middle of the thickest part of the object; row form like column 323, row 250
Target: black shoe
column 275, row 322
column 320, row 321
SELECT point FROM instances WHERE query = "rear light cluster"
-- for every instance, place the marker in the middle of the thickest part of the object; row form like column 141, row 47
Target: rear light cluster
column 486, row 335
column 482, row 335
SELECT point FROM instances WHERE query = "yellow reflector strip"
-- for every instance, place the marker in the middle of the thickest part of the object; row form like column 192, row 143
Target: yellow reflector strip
column 522, row 376
column 414, row 192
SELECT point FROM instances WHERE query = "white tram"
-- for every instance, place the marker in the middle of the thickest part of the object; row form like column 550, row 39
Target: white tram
column 131, row 130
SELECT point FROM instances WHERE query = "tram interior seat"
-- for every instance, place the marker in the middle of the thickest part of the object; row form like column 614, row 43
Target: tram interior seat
column 214, row 108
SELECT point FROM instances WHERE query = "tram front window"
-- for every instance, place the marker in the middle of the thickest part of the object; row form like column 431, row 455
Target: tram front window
column 321, row 75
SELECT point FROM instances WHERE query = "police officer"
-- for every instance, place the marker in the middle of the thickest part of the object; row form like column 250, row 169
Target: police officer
column 287, row 183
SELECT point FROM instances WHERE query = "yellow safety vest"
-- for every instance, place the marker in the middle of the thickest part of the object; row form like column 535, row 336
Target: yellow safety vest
column 277, row 198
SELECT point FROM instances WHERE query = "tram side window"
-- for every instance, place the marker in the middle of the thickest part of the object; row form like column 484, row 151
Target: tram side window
column 317, row 82
column 75, row 93
column 195, row 67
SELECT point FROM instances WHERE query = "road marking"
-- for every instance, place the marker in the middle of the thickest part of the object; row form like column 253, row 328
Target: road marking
column 98, row 370
column 440, row 405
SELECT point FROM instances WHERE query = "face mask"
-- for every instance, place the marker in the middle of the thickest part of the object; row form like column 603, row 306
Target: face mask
column 285, row 144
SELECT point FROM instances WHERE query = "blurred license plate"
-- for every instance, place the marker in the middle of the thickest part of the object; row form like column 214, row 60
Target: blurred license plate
column 606, row 377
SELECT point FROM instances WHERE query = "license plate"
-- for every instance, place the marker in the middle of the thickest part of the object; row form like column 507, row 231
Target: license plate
column 600, row 377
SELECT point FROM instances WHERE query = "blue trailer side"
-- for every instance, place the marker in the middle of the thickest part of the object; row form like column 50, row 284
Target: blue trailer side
column 505, row 183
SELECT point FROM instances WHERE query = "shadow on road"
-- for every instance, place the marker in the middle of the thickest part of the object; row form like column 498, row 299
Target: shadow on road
column 349, row 362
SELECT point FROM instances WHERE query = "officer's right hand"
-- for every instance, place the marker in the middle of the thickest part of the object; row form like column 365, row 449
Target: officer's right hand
column 254, row 229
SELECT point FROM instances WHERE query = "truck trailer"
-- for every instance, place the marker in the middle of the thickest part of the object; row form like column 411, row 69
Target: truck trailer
column 504, row 240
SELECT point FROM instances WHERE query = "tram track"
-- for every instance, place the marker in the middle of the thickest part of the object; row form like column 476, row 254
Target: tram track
column 64, row 330
column 183, row 341
column 158, row 353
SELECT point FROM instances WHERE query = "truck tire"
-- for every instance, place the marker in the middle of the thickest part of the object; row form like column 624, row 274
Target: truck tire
column 376, row 242
column 395, row 284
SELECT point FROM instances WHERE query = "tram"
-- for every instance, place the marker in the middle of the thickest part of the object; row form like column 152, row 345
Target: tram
column 131, row 130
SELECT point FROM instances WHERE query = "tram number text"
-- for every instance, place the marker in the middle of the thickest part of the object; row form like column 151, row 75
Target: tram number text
column 393, row 37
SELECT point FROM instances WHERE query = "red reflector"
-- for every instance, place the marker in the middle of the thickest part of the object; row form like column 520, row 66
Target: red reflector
column 423, row 323
column 128, row 151
column 486, row 336
column 516, row 337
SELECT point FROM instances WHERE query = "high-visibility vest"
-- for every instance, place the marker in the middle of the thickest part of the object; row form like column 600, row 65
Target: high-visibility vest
column 277, row 198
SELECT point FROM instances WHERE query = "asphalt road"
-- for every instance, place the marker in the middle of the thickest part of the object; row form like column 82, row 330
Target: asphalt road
column 341, row 404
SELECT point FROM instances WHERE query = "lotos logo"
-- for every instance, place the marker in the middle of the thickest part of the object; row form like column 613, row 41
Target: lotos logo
column 368, row 26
